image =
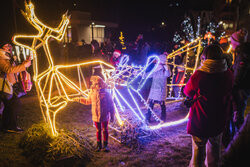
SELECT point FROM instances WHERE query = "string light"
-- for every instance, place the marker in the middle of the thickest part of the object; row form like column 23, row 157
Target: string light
column 195, row 46
column 198, row 31
column 188, row 29
column 126, row 75
column 177, row 38
column 121, row 38
column 201, row 30
column 131, row 71
column 167, row 124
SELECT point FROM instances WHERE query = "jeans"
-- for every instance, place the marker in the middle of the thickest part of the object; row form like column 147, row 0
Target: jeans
column 208, row 149
column 102, row 127
column 9, row 117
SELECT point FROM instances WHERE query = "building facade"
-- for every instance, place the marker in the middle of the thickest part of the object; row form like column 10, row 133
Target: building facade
column 83, row 28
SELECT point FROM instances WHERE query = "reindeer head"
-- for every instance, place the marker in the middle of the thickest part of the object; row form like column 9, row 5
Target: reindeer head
column 29, row 8
column 44, row 32
column 29, row 14
column 57, row 32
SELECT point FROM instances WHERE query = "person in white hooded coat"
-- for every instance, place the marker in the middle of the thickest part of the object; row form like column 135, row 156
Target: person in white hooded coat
column 158, row 88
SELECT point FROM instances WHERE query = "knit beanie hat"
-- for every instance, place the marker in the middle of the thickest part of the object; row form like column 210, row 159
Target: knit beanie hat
column 97, row 80
column 239, row 37
column 213, row 51
column 163, row 58
column 162, row 64
column 117, row 52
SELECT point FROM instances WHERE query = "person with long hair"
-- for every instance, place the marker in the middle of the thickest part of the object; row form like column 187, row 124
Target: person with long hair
column 211, row 85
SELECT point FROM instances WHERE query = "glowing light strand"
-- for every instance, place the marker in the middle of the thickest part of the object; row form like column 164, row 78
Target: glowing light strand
column 195, row 46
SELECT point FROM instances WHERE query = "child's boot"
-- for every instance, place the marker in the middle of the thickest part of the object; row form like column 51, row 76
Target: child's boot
column 99, row 146
column 163, row 112
column 105, row 146
column 148, row 116
column 163, row 117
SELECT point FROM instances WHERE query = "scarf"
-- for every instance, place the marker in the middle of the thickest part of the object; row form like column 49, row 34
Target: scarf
column 213, row 66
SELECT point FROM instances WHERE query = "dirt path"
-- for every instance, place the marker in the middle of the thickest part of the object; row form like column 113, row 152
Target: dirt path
column 173, row 148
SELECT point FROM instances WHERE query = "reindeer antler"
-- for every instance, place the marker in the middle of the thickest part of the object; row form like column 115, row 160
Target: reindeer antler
column 30, row 16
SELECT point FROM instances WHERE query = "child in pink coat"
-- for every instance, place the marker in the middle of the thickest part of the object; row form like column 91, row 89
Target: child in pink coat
column 102, row 108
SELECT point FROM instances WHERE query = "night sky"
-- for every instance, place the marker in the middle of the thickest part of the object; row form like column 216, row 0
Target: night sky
column 133, row 17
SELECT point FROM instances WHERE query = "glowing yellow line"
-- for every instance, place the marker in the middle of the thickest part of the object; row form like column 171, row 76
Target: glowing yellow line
column 187, row 45
column 229, row 49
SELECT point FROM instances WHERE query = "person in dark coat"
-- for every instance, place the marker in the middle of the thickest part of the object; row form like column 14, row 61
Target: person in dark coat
column 241, row 67
column 211, row 86
column 237, row 152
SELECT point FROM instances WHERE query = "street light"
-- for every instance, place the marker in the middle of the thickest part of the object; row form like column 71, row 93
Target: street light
column 92, row 29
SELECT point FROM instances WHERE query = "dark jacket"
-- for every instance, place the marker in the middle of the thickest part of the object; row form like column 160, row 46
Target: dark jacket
column 241, row 67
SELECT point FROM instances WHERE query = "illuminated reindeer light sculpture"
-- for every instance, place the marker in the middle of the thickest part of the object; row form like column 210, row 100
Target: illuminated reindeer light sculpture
column 52, row 78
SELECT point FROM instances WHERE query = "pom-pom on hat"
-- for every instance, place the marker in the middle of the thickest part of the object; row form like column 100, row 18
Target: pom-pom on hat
column 117, row 52
column 239, row 37
column 162, row 64
column 163, row 58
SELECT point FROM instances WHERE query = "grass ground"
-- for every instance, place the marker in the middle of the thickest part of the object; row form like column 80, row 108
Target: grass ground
column 171, row 148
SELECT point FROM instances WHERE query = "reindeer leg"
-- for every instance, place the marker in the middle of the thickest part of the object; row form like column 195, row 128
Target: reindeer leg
column 45, row 106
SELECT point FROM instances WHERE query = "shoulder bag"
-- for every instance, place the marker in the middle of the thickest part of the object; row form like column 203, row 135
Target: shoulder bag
column 3, row 94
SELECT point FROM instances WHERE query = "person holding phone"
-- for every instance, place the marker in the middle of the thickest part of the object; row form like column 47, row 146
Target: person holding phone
column 8, row 72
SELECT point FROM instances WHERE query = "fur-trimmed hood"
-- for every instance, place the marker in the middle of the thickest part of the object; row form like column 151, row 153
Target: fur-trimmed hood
column 3, row 55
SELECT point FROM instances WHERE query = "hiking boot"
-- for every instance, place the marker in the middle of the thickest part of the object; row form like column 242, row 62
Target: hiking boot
column 148, row 117
column 148, row 121
column 99, row 146
column 163, row 117
column 105, row 147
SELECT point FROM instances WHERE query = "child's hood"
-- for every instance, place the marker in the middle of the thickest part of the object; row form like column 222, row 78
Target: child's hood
column 97, row 82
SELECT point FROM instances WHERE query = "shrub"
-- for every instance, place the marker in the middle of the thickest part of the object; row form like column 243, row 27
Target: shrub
column 41, row 147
